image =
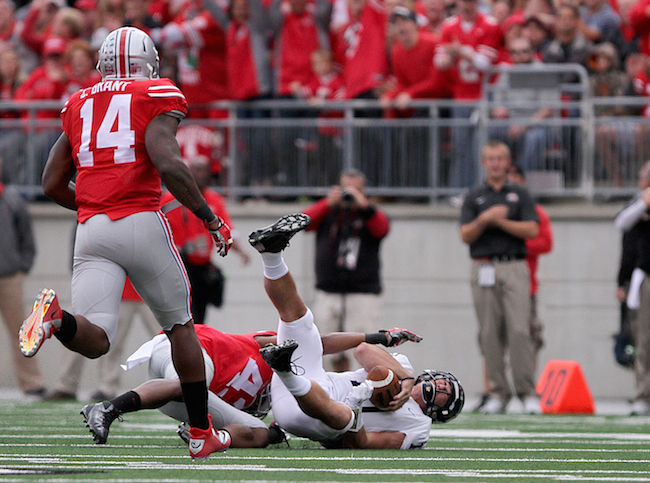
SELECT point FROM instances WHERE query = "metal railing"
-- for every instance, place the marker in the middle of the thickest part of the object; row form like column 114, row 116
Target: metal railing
column 583, row 147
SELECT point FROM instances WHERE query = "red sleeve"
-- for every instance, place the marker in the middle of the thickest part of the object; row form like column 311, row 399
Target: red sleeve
column 378, row 224
column 34, row 40
column 639, row 21
column 491, row 42
column 317, row 212
column 543, row 243
column 162, row 96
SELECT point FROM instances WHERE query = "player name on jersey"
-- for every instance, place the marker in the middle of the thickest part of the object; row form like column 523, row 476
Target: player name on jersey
column 112, row 86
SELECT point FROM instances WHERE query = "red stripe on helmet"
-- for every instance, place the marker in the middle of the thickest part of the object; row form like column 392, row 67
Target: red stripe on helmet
column 122, row 56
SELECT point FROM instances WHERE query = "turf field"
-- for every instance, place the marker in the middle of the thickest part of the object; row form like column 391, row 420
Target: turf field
column 48, row 441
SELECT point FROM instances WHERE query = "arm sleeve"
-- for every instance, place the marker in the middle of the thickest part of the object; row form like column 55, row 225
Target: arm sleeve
column 528, row 211
column 29, row 35
column 628, row 258
column 627, row 218
column 217, row 13
column 378, row 224
column 543, row 243
column 317, row 212
column 468, row 212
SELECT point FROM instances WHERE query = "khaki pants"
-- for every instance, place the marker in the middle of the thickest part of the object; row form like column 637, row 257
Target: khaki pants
column 503, row 313
column 641, row 331
column 109, row 365
column 355, row 312
column 13, row 313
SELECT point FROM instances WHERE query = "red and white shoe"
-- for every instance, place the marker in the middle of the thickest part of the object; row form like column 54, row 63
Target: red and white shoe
column 204, row 442
column 44, row 321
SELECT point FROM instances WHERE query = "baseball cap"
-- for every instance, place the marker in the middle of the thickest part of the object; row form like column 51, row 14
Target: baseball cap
column 54, row 45
column 402, row 12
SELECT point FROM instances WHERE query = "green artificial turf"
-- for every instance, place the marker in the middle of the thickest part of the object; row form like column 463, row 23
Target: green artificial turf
column 48, row 441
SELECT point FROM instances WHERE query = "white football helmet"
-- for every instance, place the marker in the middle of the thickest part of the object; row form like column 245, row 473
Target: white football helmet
column 128, row 53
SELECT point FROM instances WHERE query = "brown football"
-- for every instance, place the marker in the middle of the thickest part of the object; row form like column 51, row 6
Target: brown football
column 386, row 385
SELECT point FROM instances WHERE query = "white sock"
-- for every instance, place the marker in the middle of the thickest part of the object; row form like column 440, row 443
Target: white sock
column 274, row 266
column 297, row 385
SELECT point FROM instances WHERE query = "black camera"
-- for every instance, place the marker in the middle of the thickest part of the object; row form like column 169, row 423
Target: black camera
column 347, row 196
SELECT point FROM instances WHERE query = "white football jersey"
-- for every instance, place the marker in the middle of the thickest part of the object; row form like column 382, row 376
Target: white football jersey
column 409, row 419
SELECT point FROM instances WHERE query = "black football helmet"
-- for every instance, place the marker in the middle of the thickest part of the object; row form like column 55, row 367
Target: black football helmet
column 455, row 401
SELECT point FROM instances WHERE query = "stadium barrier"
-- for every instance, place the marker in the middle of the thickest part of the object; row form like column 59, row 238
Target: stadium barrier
column 583, row 147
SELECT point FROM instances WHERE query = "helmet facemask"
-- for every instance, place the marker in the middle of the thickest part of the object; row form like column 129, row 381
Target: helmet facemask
column 455, row 395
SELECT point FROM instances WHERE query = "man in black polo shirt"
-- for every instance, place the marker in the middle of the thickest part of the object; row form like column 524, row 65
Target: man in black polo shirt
column 495, row 220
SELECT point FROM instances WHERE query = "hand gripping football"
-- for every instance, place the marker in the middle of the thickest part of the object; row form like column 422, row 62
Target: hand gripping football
column 385, row 386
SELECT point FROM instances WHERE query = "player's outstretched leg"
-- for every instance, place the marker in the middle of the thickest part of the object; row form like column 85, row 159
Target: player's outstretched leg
column 275, row 238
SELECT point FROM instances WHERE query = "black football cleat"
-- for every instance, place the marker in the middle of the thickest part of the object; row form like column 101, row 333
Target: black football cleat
column 278, row 357
column 98, row 418
column 275, row 238
column 183, row 432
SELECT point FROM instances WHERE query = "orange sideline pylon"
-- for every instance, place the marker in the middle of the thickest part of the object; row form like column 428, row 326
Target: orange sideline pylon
column 563, row 389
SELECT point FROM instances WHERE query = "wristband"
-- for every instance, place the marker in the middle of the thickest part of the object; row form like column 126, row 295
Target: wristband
column 407, row 378
column 205, row 213
column 376, row 338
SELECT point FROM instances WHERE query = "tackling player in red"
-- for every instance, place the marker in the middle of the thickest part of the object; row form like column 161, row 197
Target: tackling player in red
column 119, row 139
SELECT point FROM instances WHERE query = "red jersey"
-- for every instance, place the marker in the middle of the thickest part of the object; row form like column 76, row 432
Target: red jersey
column 485, row 37
column 298, row 39
column 240, row 373
column 202, row 61
column 191, row 237
column 414, row 69
column 242, row 73
column 359, row 48
column 106, row 125
column 541, row 244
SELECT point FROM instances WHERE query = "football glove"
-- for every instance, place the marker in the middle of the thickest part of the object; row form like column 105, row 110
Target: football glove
column 222, row 237
column 396, row 336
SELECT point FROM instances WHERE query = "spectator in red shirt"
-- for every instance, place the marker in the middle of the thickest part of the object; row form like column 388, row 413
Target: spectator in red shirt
column 194, row 242
column 248, row 63
column 299, row 30
column 412, row 60
column 199, row 44
column 47, row 19
column 357, row 48
column 470, row 44
column 195, row 140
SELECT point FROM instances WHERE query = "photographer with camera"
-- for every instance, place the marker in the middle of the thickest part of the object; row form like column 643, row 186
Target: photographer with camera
column 349, row 230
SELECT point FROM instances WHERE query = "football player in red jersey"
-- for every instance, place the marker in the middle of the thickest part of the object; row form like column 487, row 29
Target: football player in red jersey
column 119, row 138
column 238, row 382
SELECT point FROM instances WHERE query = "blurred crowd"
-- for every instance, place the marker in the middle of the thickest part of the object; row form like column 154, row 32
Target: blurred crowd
column 393, row 50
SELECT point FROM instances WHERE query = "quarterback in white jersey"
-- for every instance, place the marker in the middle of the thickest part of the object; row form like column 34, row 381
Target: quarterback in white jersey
column 332, row 408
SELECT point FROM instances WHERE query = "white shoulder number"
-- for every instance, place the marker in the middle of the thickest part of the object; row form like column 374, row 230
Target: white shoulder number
column 122, row 140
